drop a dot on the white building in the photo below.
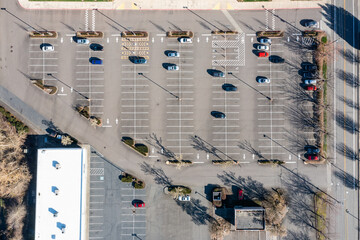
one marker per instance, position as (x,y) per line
(61,194)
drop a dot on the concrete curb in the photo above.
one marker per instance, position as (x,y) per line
(159,6)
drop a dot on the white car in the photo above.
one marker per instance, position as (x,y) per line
(185,40)
(262,47)
(173,67)
(310,82)
(82,41)
(47,48)
(186,198)
(263,80)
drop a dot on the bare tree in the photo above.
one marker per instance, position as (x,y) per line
(66,140)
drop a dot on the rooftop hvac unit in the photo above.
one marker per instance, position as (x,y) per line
(55,214)
(56,191)
(57,166)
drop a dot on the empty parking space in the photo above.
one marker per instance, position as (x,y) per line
(112,215)
(89,78)
(42,63)
(180,103)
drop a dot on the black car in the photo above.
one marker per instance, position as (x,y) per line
(137,60)
(217,114)
(96,47)
(308,66)
(312,149)
(309,75)
(229,87)
(276,59)
(218,73)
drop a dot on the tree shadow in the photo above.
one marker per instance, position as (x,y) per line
(347,179)
(349,102)
(252,188)
(301,118)
(336,21)
(346,151)
(297,94)
(199,144)
(161,149)
(204,25)
(175,26)
(113,26)
(51,126)
(158,26)
(347,123)
(301,235)
(69,27)
(245,145)
(246,25)
(158,174)
(297,140)
(196,211)
(223,25)
(349,55)
(350,79)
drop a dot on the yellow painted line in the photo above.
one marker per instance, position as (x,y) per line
(229,7)
(122,6)
(217,7)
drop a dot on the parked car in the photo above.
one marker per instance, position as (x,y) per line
(138,203)
(229,87)
(82,41)
(276,59)
(262,47)
(172,67)
(311,23)
(217,114)
(310,81)
(173,54)
(312,149)
(137,60)
(308,66)
(47,47)
(95,60)
(218,73)
(96,47)
(186,198)
(309,75)
(310,88)
(263,80)
(312,156)
(265,40)
(263,54)
(185,40)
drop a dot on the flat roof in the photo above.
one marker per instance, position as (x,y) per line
(60,194)
(249,218)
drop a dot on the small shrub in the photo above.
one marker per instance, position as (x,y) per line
(141,148)
(139,185)
(127,178)
(324,39)
(12,120)
(128,141)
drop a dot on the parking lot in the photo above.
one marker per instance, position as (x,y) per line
(142,99)
(111,213)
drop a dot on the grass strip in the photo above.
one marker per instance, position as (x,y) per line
(320,218)
(19,126)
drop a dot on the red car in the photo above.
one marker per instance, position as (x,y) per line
(312,157)
(310,88)
(240,194)
(263,54)
(139,204)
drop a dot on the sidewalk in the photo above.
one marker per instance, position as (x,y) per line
(172,5)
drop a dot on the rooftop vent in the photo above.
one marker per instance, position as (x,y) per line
(56,191)
(57,166)
(63,230)
(55,214)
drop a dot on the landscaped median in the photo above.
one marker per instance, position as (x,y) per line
(322,54)
(140,148)
(19,126)
(224,162)
(43,34)
(85,112)
(89,34)
(273,162)
(177,190)
(224,32)
(320,213)
(134,34)
(40,84)
(179,163)
(136,183)
(270,34)
(178,34)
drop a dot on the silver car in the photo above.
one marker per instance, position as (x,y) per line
(82,41)
(310,82)
(262,47)
(186,198)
